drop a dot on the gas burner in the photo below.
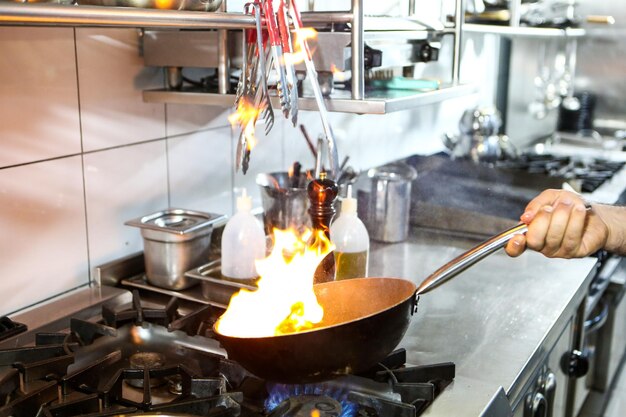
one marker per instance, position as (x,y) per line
(146,358)
(310,405)
(402,391)
(590,172)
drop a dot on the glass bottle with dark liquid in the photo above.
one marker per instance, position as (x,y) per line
(322,194)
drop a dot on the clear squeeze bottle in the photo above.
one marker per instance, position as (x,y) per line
(243,242)
(352,242)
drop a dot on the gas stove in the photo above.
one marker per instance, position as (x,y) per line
(138,357)
(584,172)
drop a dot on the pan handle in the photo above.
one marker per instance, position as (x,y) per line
(469,258)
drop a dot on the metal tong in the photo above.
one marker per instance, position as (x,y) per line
(278,59)
(253,86)
(333,156)
(290,69)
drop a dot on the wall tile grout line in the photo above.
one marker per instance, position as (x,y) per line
(127,145)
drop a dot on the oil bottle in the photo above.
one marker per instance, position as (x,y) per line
(243,242)
(352,242)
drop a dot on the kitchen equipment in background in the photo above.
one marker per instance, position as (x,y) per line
(605,342)
(381,311)
(285,200)
(384,203)
(584,174)
(578,119)
(479,138)
(174,241)
(484,121)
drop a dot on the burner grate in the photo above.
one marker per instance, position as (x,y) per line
(138,360)
(592,173)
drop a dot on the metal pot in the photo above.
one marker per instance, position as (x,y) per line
(285,201)
(484,121)
(175,241)
(364,320)
(384,206)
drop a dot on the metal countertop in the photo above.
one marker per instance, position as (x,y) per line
(493,321)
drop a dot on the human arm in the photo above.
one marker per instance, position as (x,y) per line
(562,225)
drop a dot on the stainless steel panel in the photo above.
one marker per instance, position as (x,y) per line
(612,339)
(601,59)
(53,315)
(521,126)
(176,48)
(479,320)
(340,101)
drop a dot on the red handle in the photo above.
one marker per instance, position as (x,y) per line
(283,25)
(296,13)
(270,21)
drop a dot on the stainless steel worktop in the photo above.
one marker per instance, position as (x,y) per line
(494,320)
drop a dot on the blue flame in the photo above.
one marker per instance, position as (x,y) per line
(280,392)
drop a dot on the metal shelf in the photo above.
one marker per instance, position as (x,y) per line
(379,102)
(46,14)
(524,31)
(355,101)
(32,14)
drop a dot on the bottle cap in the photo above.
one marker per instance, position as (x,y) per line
(244,202)
(349,204)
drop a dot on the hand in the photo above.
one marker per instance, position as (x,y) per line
(560,225)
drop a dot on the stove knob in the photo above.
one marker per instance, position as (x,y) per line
(575,364)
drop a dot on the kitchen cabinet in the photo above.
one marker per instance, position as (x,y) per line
(351,100)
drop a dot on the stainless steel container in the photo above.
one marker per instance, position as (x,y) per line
(174,241)
(215,289)
(388,202)
(285,201)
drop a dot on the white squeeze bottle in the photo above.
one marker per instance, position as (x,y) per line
(243,242)
(352,241)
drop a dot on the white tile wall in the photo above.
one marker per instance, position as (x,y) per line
(183,119)
(122,184)
(200,171)
(111,78)
(38,95)
(43,249)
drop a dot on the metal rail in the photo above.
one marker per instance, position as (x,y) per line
(42,14)
(358,51)
(459,17)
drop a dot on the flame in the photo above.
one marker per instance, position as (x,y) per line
(164,4)
(334,69)
(246,116)
(300,36)
(284,301)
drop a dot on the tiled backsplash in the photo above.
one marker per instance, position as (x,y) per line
(81,153)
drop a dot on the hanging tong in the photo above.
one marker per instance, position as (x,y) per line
(254,86)
(333,157)
(277,55)
(268,111)
(285,36)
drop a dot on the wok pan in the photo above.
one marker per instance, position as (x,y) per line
(364,320)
